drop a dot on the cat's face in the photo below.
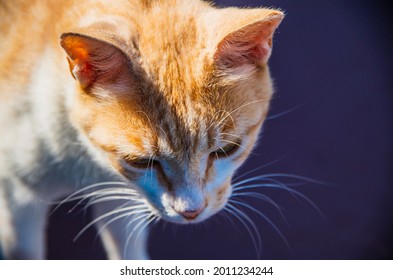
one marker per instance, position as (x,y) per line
(175,115)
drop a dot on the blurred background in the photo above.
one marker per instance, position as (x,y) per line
(331,120)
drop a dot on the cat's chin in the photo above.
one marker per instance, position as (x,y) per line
(183,221)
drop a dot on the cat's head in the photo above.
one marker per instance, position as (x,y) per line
(173,100)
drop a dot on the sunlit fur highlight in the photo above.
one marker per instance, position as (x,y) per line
(171,81)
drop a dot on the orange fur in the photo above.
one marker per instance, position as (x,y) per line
(169,80)
(173,67)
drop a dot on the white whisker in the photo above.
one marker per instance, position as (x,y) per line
(256,169)
(293,192)
(125,215)
(231,134)
(240,215)
(82,190)
(103,193)
(150,219)
(113,212)
(239,108)
(223,119)
(142,219)
(265,218)
(109,198)
(278,115)
(264,198)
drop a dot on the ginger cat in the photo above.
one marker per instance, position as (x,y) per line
(144,107)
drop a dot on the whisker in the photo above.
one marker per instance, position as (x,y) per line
(226,215)
(101,193)
(293,192)
(119,217)
(92,186)
(223,119)
(108,198)
(259,185)
(142,219)
(229,114)
(165,134)
(113,212)
(278,115)
(298,177)
(243,186)
(267,220)
(216,123)
(147,117)
(150,219)
(248,104)
(238,214)
(264,198)
(103,226)
(256,169)
(231,134)
(151,162)
(222,149)
(264,178)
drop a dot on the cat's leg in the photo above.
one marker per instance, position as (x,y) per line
(23,221)
(123,238)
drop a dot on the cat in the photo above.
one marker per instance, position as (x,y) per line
(145,107)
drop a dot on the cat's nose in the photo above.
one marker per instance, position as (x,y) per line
(188,202)
(191,214)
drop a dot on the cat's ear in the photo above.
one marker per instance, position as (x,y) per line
(244,39)
(94,59)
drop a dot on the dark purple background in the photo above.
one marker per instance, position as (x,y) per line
(331,58)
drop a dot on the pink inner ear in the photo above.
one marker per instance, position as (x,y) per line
(251,45)
(92,60)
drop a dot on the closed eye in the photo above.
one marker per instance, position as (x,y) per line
(225,151)
(142,162)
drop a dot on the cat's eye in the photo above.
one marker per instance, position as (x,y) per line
(226,151)
(141,163)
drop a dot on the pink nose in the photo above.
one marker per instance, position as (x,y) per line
(191,214)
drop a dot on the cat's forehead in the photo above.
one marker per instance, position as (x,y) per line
(181,123)
(172,46)
(184,126)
